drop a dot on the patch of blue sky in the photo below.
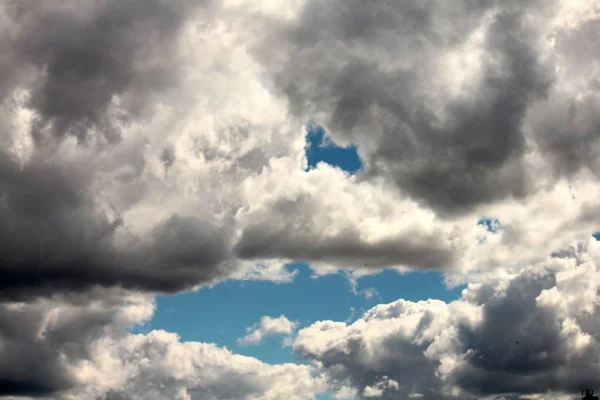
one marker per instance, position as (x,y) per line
(492,224)
(320,148)
(221,314)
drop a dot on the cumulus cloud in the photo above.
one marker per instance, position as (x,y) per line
(435,95)
(81,347)
(42,343)
(158,366)
(55,236)
(448,106)
(114,150)
(156,146)
(89,133)
(516,334)
(269,326)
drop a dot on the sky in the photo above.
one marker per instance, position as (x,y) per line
(299,199)
(222,314)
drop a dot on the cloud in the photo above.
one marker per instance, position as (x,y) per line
(55,235)
(436,96)
(85,200)
(156,146)
(80,347)
(158,365)
(269,326)
(103,51)
(517,333)
(316,217)
(44,342)
(380,387)
(149,170)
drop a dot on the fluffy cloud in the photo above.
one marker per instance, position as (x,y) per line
(80,347)
(115,150)
(155,146)
(512,334)
(158,366)
(56,236)
(435,95)
(452,124)
(105,157)
(269,326)
(43,343)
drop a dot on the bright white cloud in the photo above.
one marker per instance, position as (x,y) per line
(269,326)
(158,366)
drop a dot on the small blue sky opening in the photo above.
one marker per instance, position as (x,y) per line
(320,148)
(491,224)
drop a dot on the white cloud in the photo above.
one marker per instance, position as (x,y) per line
(510,334)
(80,348)
(269,326)
(157,366)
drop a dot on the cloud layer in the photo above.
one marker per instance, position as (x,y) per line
(158,146)
(115,149)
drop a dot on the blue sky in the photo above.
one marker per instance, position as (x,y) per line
(492,224)
(320,148)
(221,314)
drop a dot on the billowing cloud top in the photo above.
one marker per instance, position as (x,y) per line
(155,146)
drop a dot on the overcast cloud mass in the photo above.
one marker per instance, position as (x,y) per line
(154,146)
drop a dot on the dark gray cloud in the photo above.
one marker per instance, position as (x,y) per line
(80,63)
(114,395)
(518,347)
(80,57)
(369,72)
(55,236)
(42,340)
